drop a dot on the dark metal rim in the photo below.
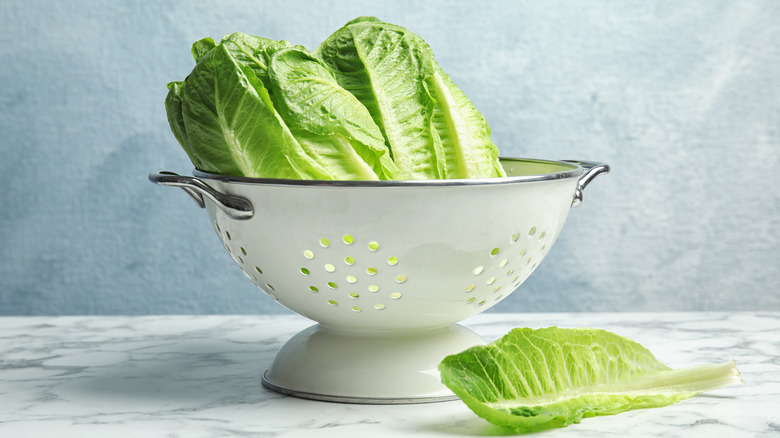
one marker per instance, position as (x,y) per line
(356,400)
(574,170)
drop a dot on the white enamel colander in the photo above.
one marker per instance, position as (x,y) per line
(386,268)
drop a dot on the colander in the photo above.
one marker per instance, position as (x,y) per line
(386,268)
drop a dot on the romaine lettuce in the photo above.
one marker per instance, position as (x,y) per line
(431,127)
(226,115)
(532,380)
(329,122)
(370,103)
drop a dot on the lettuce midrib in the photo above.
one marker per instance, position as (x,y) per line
(692,380)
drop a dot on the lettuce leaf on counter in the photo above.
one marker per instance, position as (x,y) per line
(532,380)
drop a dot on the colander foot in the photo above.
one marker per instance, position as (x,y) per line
(347,366)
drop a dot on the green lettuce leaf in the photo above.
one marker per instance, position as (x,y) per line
(385,67)
(254,52)
(332,125)
(531,380)
(173,107)
(463,131)
(201,47)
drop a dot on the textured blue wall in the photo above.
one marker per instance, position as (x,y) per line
(681,98)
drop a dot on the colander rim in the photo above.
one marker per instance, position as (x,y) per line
(574,171)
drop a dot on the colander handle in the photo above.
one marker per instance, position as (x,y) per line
(591,169)
(234,206)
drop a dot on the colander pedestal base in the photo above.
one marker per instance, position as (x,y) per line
(372,367)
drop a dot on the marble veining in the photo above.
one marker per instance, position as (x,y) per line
(199,376)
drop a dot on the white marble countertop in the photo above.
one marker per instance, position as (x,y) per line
(199,376)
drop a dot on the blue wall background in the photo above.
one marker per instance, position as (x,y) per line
(681,98)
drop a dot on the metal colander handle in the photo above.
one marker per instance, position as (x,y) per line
(591,169)
(233,206)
